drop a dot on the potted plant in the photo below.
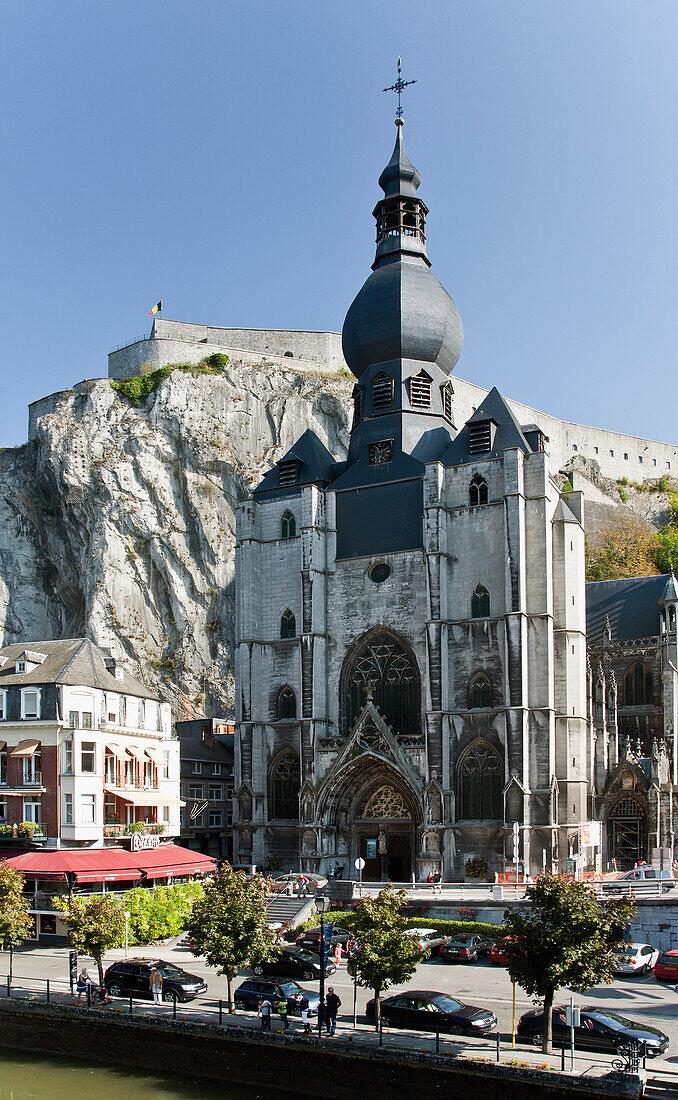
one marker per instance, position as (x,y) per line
(476,869)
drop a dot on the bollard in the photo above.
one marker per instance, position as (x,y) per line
(562,1059)
(437,1042)
(174,1008)
(381,1030)
(47,990)
(89,996)
(130,1004)
(221,1010)
(498,1046)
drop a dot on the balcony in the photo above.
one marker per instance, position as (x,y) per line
(25,831)
(148,828)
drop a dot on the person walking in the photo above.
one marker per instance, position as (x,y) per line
(155,982)
(281,1009)
(332,1005)
(301,1002)
(264,1014)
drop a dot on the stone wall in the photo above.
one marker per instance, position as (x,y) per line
(282,1066)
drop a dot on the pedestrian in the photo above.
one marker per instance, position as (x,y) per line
(337,954)
(437,879)
(281,1009)
(301,1002)
(332,1005)
(264,1014)
(303,886)
(430,878)
(155,983)
(82,982)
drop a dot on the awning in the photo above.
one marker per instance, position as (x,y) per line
(25,748)
(155,755)
(90,865)
(134,750)
(144,798)
(115,749)
(3,745)
(172,860)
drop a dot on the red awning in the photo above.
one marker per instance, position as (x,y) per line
(88,865)
(171,859)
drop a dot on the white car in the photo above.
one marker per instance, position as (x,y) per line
(288,884)
(429,940)
(637,958)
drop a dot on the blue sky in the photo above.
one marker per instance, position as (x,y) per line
(224,156)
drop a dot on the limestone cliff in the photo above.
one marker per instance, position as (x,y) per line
(119,522)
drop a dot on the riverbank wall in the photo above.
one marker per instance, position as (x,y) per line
(286,1065)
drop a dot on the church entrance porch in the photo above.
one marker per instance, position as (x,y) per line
(393,859)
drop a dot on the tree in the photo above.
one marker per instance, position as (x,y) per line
(228,923)
(563,938)
(95,925)
(624,548)
(665,549)
(384,955)
(160,913)
(15,920)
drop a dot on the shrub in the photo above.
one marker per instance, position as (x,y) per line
(137,389)
(346,919)
(160,913)
(476,868)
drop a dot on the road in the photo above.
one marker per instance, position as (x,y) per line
(643,999)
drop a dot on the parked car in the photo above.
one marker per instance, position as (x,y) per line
(427,1010)
(295,963)
(287,884)
(132,977)
(636,958)
(640,877)
(310,939)
(666,967)
(253,990)
(598,1030)
(429,940)
(498,951)
(464,949)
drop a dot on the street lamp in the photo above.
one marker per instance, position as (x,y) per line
(126,915)
(322,905)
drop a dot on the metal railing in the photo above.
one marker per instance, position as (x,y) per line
(128,343)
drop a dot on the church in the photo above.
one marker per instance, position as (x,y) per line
(412,668)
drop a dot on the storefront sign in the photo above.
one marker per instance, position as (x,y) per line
(141,841)
(371,848)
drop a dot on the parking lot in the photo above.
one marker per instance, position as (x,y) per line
(483,984)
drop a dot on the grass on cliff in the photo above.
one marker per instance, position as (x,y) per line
(137,389)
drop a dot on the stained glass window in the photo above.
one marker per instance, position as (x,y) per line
(383,669)
(481,782)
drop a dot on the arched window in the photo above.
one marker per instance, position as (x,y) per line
(480,603)
(284,787)
(477,493)
(479,691)
(288,624)
(480,784)
(383,670)
(382,393)
(287,704)
(288,526)
(637,685)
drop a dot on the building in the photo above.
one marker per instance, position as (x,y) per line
(411,655)
(206,754)
(86,756)
(633,713)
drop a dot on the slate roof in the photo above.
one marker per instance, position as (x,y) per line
(508,434)
(632,605)
(74,661)
(316,467)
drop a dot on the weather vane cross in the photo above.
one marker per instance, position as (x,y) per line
(398,89)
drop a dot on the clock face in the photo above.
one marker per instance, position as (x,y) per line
(381,452)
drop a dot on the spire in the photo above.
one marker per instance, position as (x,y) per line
(399,177)
(400,215)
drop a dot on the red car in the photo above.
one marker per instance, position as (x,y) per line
(666,967)
(498,951)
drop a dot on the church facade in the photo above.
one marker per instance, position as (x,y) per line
(411,638)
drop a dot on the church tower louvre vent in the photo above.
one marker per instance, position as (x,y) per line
(420,391)
(288,473)
(480,437)
(382,393)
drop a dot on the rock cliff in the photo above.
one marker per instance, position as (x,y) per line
(119,522)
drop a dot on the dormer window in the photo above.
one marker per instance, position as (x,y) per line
(382,393)
(20,667)
(30,704)
(480,437)
(288,473)
(420,391)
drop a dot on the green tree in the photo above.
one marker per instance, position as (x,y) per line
(95,925)
(160,913)
(665,549)
(563,938)
(15,920)
(228,923)
(384,956)
(622,549)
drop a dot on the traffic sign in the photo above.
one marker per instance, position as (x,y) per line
(359,863)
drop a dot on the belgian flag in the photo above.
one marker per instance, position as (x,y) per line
(156,308)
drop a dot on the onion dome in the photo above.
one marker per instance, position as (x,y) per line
(402,311)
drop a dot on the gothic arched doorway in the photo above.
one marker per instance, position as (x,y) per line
(381,666)
(385,836)
(627,833)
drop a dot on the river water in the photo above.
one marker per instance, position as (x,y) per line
(42,1078)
